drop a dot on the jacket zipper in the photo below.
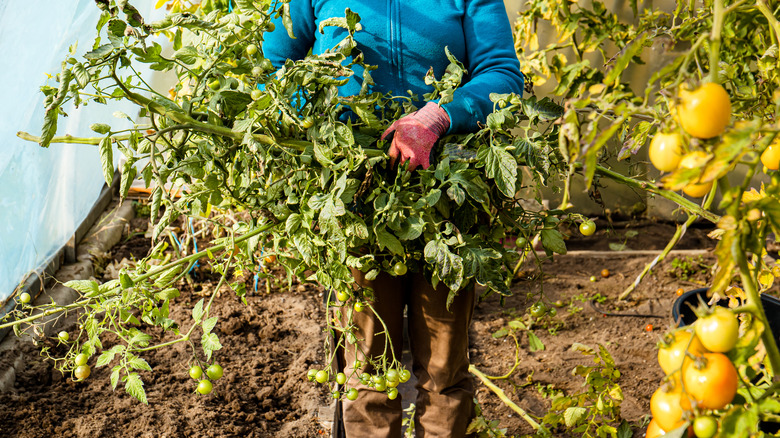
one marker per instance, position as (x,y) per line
(394,41)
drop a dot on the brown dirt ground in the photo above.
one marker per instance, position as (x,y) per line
(270,343)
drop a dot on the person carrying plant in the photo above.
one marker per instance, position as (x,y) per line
(405,39)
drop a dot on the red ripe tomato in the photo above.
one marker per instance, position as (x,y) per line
(712,380)
(671,352)
(719,330)
(668,406)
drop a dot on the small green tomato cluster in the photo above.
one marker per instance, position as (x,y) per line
(213,372)
(82,370)
(539,309)
(386,383)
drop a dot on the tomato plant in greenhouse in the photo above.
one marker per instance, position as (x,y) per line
(319,199)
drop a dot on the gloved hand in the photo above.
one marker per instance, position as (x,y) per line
(415,134)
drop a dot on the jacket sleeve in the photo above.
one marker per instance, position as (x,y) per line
(279,47)
(492,64)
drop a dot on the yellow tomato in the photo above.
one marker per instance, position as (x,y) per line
(668,407)
(654,430)
(705,111)
(666,151)
(695,160)
(674,349)
(771,155)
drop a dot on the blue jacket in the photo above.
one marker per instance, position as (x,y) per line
(405,38)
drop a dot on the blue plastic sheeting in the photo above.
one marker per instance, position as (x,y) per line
(45,193)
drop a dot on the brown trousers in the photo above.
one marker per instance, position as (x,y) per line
(439,346)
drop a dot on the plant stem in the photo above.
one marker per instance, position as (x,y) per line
(151,273)
(678,234)
(501,395)
(754,300)
(773,22)
(678,199)
(715,38)
(69,138)
(517,361)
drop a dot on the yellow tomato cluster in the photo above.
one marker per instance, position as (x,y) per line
(700,378)
(703,113)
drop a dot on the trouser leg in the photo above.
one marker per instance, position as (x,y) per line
(372,414)
(439,344)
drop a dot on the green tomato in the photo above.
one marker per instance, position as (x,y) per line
(63,336)
(25,298)
(214,371)
(251,49)
(552,311)
(705,426)
(352,394)
(342,296)
(311,374)
(587,228)
(341,378)
(521,242)
(404,376)
(256,94)
(392,393)
(196,372)
(392,376)
(81,359)
(321,376)
(269,27)
(307,123)
(257,71)
(365,379)
(214,85)
(359,306)
(205,387)
(82,372)
(538,309)
(399,269)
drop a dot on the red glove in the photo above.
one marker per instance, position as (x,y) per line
(415,135)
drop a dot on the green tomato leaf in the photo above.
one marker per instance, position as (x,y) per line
(210,344)
(553,240)
(385,239)
(135,387)
(209,324)
(86,287)
(107,159)
(534,343)
(501,166)
(81,74)
(573,415)
(197,311)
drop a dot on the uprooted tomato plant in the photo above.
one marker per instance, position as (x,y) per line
(269,143)
(313,191)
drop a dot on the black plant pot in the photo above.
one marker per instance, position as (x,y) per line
(683,315)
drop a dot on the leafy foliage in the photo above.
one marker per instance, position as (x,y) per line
(305,167)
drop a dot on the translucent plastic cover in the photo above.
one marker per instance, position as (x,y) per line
(45,193)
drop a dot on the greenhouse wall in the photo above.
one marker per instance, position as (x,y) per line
(45,193)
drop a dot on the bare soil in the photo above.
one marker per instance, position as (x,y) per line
(272,341)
